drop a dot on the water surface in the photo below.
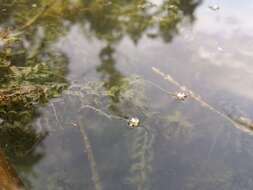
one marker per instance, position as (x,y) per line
(110,48)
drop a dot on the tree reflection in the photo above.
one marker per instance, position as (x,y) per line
(112,22)
(108,21)
(32,74)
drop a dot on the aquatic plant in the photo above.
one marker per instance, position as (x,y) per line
(141,155)
(94,97)
(179,127)
(93,166)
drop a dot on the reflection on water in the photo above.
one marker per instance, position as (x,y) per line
(106,50)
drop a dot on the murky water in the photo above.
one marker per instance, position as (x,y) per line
(110,48)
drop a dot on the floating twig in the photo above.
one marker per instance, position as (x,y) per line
(132,122)
(56,115)
(201,101)
(181,96)
(101,112)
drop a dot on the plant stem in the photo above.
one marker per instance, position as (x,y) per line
(91,158)
(200,100)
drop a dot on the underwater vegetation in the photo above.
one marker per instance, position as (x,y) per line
(23,88)
(179,127)
(91,97)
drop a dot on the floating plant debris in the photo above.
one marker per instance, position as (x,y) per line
(134,122)
(181,96)
(238,124)
(245,122)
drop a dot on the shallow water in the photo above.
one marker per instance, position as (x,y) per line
(187,146)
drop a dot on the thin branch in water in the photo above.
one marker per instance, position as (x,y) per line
(159,87)
(56,116)
(91,158)
(200,100)
(101,112)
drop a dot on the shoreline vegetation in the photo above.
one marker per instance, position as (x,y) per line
(22,88)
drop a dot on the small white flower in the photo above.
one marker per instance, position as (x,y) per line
(133,122)
(181,96)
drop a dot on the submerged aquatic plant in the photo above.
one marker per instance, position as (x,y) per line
(93,166)
(94,98)
(179,127)
(27,81)
(141,154)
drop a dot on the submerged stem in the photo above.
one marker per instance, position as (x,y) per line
(91,158)
(101,112)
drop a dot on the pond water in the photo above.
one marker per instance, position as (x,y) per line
(108,49)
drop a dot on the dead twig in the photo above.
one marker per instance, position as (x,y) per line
(202,102)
